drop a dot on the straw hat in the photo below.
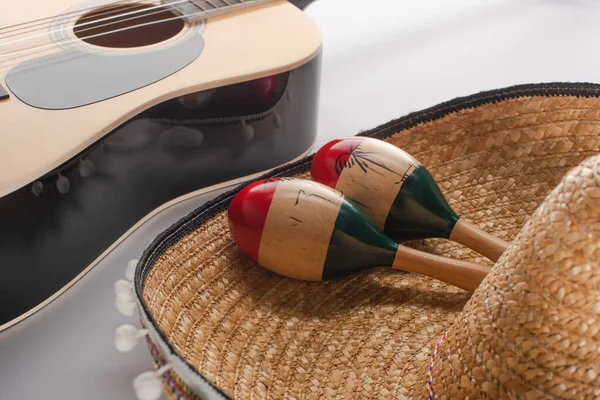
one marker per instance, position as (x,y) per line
(518,162)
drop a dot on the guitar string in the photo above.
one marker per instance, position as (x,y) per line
(5,63)
(160,11)
(164,6)
(60,15)
(92,28)
(94,22)
(67,16)
(105,33)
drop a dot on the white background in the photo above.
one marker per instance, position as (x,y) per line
(382,59)
(385,58)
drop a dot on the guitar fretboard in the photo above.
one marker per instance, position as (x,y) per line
(196,10)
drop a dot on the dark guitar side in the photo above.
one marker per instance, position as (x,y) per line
(53,228)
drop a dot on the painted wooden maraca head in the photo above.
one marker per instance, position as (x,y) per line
(392,187)
(306,230)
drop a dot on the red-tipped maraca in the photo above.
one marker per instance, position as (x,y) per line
(306,230)
(397,193)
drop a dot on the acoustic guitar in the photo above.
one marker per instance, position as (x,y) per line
(109,110)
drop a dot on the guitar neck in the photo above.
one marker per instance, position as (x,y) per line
(197,10)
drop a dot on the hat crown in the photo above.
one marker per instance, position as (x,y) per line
(532,329)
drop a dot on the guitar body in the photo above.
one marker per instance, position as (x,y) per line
(97,132)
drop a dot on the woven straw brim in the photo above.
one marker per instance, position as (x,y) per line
(254,334)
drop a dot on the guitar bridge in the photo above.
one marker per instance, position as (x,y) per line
(197,10)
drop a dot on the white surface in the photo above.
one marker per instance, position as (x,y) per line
(382,59)
(386,58)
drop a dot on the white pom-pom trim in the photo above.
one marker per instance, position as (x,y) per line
(148,386)
(130,270)
(125,303)
(126,337)
(123,287)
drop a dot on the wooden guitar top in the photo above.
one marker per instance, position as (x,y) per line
(244,45)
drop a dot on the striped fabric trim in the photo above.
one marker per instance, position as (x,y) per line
(430,371)
(175,384)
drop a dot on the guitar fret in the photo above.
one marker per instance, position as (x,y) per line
(199,6)
(210,8)
(219,3)
(210,4)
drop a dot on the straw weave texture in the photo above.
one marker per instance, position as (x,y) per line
(532,329)
(258,335)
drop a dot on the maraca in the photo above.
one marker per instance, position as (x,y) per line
(305,230)
(397,193)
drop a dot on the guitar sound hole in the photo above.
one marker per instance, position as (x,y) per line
(128,25)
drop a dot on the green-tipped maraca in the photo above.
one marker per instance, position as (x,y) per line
(397,193)
(306,230)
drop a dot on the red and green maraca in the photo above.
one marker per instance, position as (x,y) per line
(397,193)
(305,230)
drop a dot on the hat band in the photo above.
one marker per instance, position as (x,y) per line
(430,371)
(176,385)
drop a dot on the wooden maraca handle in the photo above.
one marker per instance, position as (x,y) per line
(482,242)
(462,274)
